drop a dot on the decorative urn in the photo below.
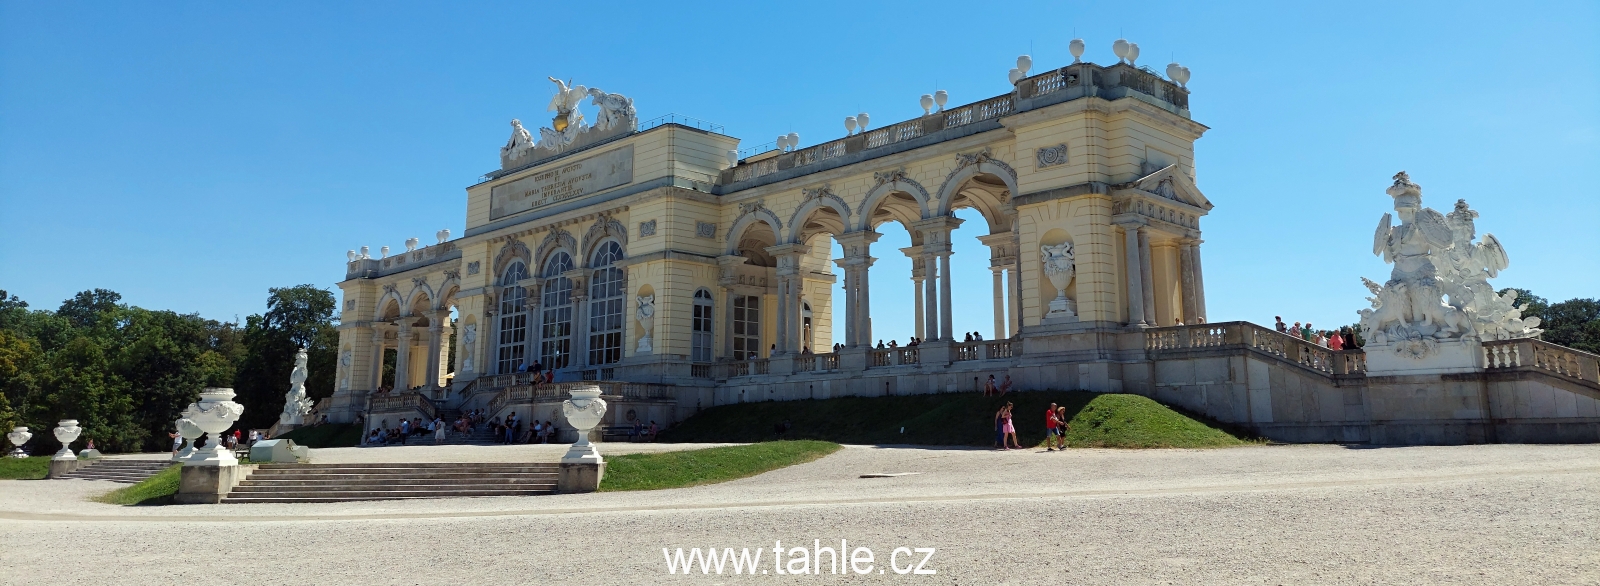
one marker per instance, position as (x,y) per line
(19,436)
(190,434)
(67,431)
(583,412)
(1076,48)
(214,414)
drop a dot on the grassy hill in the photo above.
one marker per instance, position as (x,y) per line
(1097,419)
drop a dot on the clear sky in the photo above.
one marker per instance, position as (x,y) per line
(192,154)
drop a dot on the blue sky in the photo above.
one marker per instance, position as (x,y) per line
(191,155)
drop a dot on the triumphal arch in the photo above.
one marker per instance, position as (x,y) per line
(659,261)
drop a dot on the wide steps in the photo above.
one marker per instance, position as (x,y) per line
(124,471)
(306,483)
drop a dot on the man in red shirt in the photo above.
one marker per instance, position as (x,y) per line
(1052,429)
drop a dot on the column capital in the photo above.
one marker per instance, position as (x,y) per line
(912,252)
(860,238)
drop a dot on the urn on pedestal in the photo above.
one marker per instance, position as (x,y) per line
(190,433)
(1059,267)
(583,411)
(214,414)
(19,436)
(67,432)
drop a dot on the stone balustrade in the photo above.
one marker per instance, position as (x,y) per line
(983,350)
(1257,338)
(523,394)
(1543,356)
(402,402)
(1107,82)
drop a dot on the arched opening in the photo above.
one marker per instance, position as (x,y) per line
(513,327)
(701,324)
(749,331)
(607,289)
(555,331)
(892,316)
(983,259)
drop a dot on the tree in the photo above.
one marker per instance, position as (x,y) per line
(1574,323)
(86,308)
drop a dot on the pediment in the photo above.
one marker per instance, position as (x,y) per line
(1171,183)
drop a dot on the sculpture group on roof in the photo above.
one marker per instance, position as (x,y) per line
(568,128)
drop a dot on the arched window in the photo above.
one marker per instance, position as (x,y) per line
(700,345)
(606,287)
(513,320)
(555,347)
(746,327)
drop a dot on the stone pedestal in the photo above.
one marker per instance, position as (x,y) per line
(854,359)
(937,353)
(198,485)
(59,467)
(579,477)
(1406,358)
(781,364)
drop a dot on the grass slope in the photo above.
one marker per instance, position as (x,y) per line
(707,466)
(29,468)
(327,435)
(1098,420)
(155,490)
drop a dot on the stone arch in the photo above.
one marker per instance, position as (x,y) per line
(447,295)
(390,299)
(604,228)
(803,215)
(419,286)
(971,167)
(754,213)
(514,249)
(894,183)
(554,241)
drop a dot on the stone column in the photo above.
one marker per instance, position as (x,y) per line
(435,344)
(999,302)
(918,276)
(377,357)
(491,340)
(727,277)
(579,356)
(402,356)
(849,301)
(1199,285)
(1186,277)
(727,324)
(945,309)
(780,345)
(864,301)
(930,295)
(789,258)
(1013,280)
(531,305)
(1135,272)
(1148,279)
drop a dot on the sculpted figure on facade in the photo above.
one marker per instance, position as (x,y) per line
(568,121)
(296,404)
(470,336)
(346,359)
(520,142)
(615,109)
(645,314)
(1434,257)
(1059,267)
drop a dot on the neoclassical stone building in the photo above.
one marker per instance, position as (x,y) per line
(652,253)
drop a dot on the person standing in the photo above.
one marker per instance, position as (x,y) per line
(1050,427)
(1000,428)
(1280,326)
(1294,331)
(1336,341)
(1010,428)
(1063,425)
(438,430)
(1305,333)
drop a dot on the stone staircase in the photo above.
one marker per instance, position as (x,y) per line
(327,483)
(125,471)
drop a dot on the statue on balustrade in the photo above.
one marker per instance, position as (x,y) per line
(1434,257)
(296,404)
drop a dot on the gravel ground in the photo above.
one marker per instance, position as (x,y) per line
(1268,514)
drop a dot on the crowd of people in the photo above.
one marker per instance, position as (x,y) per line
(1343,338)
(511,430)
(1056,424)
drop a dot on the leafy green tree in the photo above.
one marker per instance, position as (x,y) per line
(1574,323)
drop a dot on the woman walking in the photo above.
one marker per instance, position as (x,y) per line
(1010,430)
(1000,428)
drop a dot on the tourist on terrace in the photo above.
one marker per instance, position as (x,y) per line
(881,346)
(1280,326)
(989,386)
(550,431)
(977,336)
(969,337)
(1305,333)
(1294,331)
(894,343)
(1005,387)
(1336,341)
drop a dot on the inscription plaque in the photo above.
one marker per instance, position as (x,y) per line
(563,181)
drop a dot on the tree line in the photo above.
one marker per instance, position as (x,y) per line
(126,372)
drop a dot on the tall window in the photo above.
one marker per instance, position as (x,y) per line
(606,287)
(555,347)
(700,345)
(746,327)
(513,320)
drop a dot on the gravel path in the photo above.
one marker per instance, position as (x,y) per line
(1270,515)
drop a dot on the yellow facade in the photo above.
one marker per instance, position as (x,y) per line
(1101,157)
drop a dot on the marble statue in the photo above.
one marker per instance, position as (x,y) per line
(568,121)
(645,314)
(19,436)
(1059,268)
(520,141)
(1435,258)
(411,243)
(346,360)
(296,405)
(469,336)
(615,109)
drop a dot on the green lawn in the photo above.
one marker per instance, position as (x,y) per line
(707,466)
(966,419)
(30,468)
(155,490)
(327,435)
